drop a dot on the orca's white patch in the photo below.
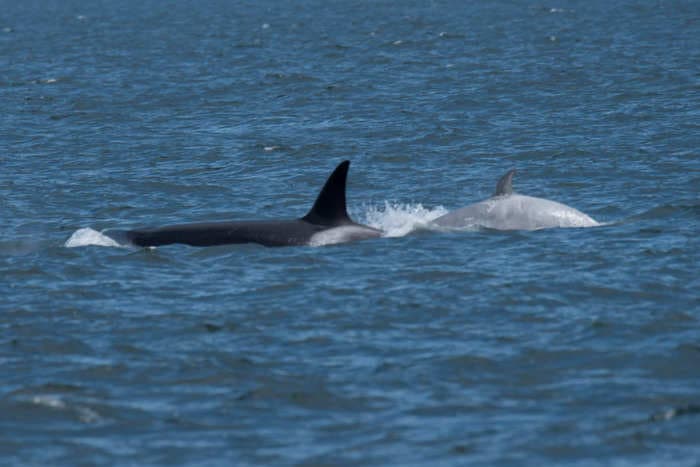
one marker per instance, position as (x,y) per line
(342,234)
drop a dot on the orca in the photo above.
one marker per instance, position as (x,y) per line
(326,223)
(507,210)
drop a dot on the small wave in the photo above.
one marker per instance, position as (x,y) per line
(49,401)
(400,219)
(667,210)
(23,246)
(90,237)
(84,414)
(666,415)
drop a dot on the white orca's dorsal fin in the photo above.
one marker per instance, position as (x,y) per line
(329,207)
(505,184)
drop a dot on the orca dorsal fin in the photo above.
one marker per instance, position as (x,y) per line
(505,184)
(329,207)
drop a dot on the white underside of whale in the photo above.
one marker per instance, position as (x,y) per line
(515,212)
(343,234)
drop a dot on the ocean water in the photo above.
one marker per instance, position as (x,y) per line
(470,347)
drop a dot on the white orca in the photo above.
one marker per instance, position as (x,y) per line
(506,210)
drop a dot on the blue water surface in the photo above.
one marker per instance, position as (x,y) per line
(473,347)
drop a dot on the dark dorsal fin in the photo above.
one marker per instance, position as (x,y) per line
(329,207)
(505,184)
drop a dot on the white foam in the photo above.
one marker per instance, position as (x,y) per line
(400,219)
(89,237)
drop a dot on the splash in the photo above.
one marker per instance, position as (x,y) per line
(400,219)
(90,237)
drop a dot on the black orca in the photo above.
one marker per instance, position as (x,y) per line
(326,223)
